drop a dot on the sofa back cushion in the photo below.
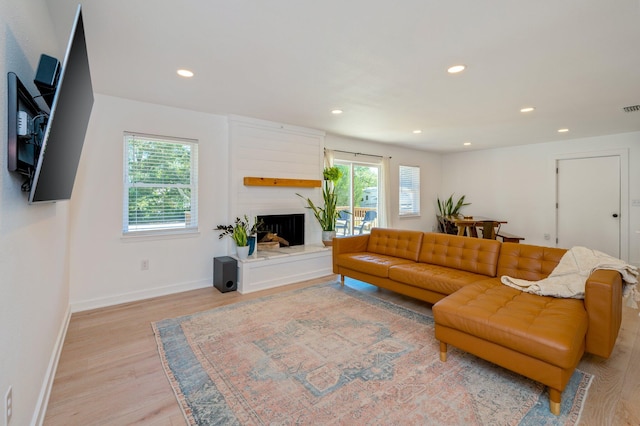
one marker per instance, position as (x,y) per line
(395,242)
(464,253)
(528,262)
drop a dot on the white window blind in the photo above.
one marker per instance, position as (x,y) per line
(409,191)
(160,184)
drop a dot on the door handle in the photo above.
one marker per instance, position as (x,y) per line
(615,215)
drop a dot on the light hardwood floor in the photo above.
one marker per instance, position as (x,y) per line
(110,373)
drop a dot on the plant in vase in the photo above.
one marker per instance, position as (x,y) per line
(240,232)
(446,209)
(327,214)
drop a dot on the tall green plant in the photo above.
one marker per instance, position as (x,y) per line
(327,214)
(449,208)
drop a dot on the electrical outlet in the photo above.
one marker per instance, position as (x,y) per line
(144,265)
(8,406)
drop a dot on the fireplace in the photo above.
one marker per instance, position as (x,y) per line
(288,226)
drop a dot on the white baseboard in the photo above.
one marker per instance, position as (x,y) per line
(50,375)
(85,305)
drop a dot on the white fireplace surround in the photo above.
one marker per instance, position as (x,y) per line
(285,265)
(267,149)
(278,267)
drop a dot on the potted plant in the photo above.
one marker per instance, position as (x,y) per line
(327,214)
(448,208)
(240,232)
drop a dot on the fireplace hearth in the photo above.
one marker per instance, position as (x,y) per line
(287,226)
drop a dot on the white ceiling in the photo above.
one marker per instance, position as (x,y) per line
(383,62)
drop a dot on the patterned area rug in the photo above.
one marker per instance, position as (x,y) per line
(332,355)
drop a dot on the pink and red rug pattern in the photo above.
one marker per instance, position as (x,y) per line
(332,355)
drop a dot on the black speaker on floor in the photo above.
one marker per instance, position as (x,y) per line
(225,273)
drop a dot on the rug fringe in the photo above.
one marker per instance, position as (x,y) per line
(581,394)
(173,382)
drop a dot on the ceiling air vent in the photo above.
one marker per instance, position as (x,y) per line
(632,108)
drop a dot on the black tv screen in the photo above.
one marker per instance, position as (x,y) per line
(67,125)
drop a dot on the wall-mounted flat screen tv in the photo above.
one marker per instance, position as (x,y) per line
(67,126)
(58,148)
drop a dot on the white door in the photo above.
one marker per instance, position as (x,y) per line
(588,209)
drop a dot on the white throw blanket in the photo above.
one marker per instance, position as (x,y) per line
(569,277)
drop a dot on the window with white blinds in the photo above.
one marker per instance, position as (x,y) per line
(409,191)
(160,185)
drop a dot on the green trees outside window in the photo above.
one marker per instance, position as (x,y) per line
(161,184)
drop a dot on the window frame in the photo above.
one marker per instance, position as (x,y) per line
(414,177)
(189,226)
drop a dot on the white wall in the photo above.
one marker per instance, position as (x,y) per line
(105,267)
(34,256)
(517,184)
(430,171)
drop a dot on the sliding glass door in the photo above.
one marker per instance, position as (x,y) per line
(358,193)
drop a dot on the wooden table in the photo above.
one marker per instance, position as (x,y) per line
(469,223)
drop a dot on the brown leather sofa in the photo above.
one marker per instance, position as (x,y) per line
(540,337)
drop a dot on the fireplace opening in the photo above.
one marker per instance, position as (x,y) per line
(289,227)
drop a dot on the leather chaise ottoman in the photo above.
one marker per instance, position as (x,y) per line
(540,337)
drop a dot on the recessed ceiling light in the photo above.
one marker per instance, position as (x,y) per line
(527,109)
(466,143)
(185,73)
(337,111)
(417,131)
(456,69)
(563,130)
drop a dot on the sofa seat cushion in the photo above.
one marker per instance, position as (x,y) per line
(547,328)
(433,277)
(370,263)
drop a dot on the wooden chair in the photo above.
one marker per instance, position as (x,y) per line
(489,230)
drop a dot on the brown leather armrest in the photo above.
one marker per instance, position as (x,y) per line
(603,302)
(354,244)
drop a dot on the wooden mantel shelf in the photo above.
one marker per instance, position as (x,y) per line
(266,181)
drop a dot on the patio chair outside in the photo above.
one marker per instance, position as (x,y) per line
(369,217)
